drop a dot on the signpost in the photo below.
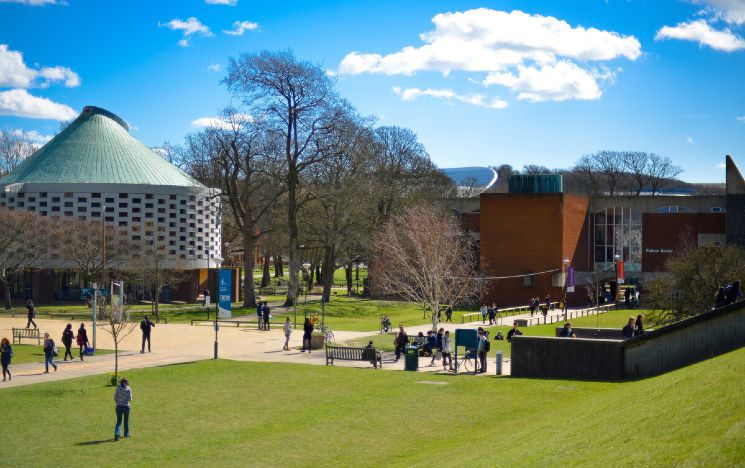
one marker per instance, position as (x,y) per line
(224,304)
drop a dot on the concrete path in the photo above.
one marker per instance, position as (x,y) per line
(178,343)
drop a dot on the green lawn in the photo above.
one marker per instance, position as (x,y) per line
(24,353)
(335,416)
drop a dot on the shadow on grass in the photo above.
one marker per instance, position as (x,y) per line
(94,442)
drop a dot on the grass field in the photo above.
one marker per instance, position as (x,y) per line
(217,413)
(24,353)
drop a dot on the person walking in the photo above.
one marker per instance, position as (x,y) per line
(447,351)
(6,352)
(49,352)
(484,311)
(288,331)
(67,337)
(146,326)
(259,310)
(437,354)
(82,340)
(122,398)
(266,316)
(30,313)
(402,339)
(307,333)
(449,314)
(492,315)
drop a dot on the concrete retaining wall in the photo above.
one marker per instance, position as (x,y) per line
(599,333)
(658,351)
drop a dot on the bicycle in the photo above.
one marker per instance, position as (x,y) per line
(469,362)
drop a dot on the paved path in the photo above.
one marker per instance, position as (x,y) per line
(178,343)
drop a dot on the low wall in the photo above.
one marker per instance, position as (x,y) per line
(657,351)
(599,333)
(685,342)
(545,356)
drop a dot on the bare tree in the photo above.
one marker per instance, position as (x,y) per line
(422,255)
(94,247)
(25,239)
(661,172)
(299,105)
(114,320)
(15,147)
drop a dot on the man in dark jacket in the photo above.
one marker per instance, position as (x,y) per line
(401,340)
(31,313)
(146,325)
(513,332)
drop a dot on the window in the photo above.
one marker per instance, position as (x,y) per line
(68,204)
(149,196)
(673,209)
(82,200)
(55,199)
(109,200)
(123,195)
(618,231)
(717,209)
(95,195)
(528,280)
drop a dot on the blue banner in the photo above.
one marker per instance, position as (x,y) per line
(224,306)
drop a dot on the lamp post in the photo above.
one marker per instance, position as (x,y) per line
(218,260)
(306,268)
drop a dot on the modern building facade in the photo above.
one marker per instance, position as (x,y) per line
(530,239)
(94,170)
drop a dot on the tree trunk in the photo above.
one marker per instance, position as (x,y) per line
(293,286)
(6,293)
(348,274)
(357,271)
(277,266)
(249,247)
(266,277)
(435,310)
(309,278)
(157,303)
(116,359)
(329,265)
(319,278)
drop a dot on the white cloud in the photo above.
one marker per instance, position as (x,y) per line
(36,2)
(731,11)
(331,73)
(702,32)
(239,27)
(221,2)
(214,67)
(220,122)
(14,73)
(528,48)
(189,27)
(552,82)
(689,140)
(741,118)
(20,103)
(35,137)
(410,94)
(721,166)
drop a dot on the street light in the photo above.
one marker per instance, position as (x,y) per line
(566,270)
(306,269)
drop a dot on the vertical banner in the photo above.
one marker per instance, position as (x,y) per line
(570,279)
(224,306)
(619,270)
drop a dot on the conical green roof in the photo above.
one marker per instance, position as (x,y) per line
(96,148)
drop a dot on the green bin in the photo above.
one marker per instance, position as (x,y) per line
(411,361)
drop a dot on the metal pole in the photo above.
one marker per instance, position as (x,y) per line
(323,310)
(216,313)
(95,300)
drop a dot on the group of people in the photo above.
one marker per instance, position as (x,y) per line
(635,326)
(728,294)
(535,305)
(489,311)
(437,345)
(263,314)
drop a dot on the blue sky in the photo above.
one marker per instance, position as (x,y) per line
(482,83)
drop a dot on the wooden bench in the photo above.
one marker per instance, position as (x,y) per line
(342,353)
(31,333)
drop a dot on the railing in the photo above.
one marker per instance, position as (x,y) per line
(506,312)
(237,323)
(557,318)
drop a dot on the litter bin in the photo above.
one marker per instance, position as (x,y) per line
(411,361)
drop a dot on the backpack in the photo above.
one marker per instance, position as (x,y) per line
(487,345)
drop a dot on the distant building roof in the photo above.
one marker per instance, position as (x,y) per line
(476,178)
(96,148)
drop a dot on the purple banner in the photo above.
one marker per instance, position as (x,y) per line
(570,277)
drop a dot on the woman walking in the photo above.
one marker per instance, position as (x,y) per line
(447,351)
(82,340)
(288,331)
(67,337)
(122,397)
(307,333)
(6,352)
(49,350)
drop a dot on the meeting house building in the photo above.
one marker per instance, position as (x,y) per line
(95,170)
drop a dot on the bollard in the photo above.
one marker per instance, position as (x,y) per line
(499,363)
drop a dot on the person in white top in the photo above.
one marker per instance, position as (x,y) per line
(288,331)
(447,351)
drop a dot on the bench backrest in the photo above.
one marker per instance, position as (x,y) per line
(352,354)
(26,332)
